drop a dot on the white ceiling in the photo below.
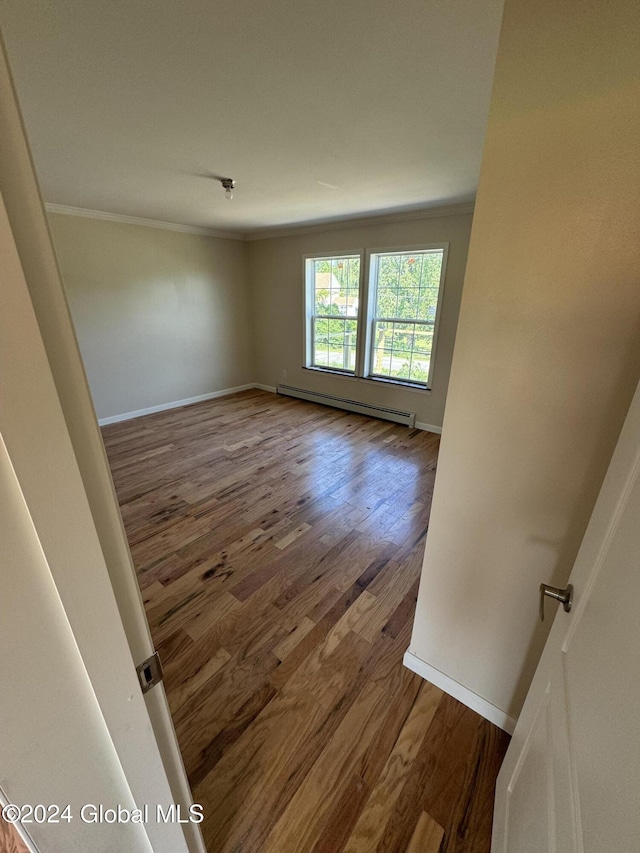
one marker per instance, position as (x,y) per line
(319,109)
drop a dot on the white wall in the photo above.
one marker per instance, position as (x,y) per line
(277,295)
(160,315)
(548,351)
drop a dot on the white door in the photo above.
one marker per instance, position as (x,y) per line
(571,777)
(74,728)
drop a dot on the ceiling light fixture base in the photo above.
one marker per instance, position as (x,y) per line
(228,185)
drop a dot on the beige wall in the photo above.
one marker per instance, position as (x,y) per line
(548,350)
(277,293)
(160,315)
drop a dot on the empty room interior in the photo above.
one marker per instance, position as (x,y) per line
(267,268)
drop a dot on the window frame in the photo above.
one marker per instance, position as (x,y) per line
(371,264)
(310,315)
(366,313)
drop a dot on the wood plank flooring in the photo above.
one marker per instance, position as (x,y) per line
(10,841)
(278,546)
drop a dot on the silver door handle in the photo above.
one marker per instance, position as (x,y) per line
(563,595)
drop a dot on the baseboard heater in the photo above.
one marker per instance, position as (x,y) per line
(395,415)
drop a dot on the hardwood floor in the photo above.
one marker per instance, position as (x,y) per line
(10,841)
(278,546)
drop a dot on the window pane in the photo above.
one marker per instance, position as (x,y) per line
(321,343)
(408,303)
(388,270)
(410,269)
(427,304)
(334,291)
(431,268)
(336,286)
(386,302)
(402,351)
(322,284)
(406,287)
(335,343)
(407,283)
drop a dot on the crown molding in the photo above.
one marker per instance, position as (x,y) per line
(360,221)
(268,233)
(85,213)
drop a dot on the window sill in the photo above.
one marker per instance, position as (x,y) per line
(396,383)
(330,372)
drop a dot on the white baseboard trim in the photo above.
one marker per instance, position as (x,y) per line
(495,715)
(176,404)
(163,407)
(428,427)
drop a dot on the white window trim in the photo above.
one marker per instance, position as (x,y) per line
(309,303)
(371,257)
(366,313)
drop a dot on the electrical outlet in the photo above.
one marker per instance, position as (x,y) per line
(284,373)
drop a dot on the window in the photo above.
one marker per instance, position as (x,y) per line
(405,292)
(333,295)
(392,337)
